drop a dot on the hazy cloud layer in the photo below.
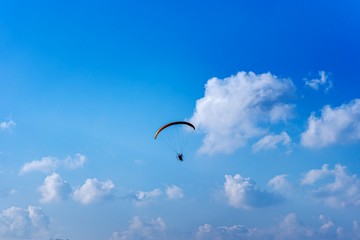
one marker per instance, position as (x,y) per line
(333,186)
(140,228)
(272,141)
(289,227)
(322,81)
(335,125)
(93,191)
(50,164)
(237,108)
(54,189)
(244,193)
(19,223)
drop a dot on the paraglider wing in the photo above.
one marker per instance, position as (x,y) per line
(171,124)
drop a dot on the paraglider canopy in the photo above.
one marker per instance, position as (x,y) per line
(174,135)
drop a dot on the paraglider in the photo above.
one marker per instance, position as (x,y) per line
(174,135)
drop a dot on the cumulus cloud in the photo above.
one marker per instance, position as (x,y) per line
(6,125)
(143,198)
(239,107)
(50,164)
(340,124)
(244,193)
(142,229)
(272,141)
(19,223)
(334,186)
(93,191)
(54,189)
(174,192)
(323,81)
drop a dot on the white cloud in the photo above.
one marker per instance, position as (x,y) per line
(280,184)
(335,125)
(244,193)
(316,83)
(142,229)
(18,223)
(54,188)
(336,187)
(237,108)
(93,191)
(7,125)
(143,198)
(174,192)
(50,164)
(272,141)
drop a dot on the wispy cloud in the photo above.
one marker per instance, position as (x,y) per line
(333,186)
(236,109)
(45,165)
(272,141)
(322,81)
(142,228)
(340,124)
(19,223)
(50,164)
(289,227)
(208,232)
(5,125)
(243,192)
(142,198)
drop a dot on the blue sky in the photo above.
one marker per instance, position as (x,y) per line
(271,87)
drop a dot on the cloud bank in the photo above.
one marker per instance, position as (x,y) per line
(19,223)
(236,109)
(289,227)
